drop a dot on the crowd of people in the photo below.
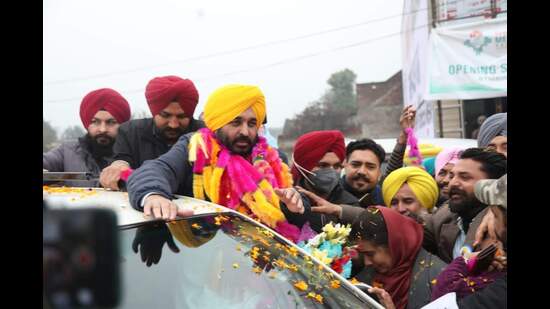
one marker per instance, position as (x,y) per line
(417,230)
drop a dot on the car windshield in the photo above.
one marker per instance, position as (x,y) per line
(223,261)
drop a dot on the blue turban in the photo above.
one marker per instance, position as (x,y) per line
(496,125)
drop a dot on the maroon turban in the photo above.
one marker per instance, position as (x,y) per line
(104,99)
(312,147)
(161,91)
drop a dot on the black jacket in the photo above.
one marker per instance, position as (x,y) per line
(316,220)
(373,199)
(168,174)
(139,140)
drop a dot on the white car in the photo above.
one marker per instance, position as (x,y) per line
(225,259)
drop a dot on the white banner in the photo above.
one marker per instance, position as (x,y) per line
(453,9)
(415,34)
(468,62)
(424,122)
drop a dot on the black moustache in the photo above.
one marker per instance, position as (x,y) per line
(360,177)
(456,191)
(246,140)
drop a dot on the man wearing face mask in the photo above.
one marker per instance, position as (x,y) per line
(316,169)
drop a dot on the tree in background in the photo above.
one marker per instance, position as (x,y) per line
(333,111)
(341,95)
(49,136)
(72,133)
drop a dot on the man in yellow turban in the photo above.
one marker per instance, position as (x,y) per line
(410,190)
(227,163)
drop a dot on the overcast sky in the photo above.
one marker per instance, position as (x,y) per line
(294,48)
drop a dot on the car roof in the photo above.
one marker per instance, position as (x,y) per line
(69,197)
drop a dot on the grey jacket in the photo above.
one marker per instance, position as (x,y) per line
(72,156)
(170,173)
(426,268)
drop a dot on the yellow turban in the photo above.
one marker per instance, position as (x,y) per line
(182,231)
(421,183)
(228,102)
(426,150)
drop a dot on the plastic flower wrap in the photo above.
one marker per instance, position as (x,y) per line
(329,248)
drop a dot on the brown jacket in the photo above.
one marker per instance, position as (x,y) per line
(441,231)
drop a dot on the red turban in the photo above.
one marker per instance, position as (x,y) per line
(161,91)
(312,147)
(106,99)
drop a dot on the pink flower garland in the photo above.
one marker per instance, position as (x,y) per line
(414,152)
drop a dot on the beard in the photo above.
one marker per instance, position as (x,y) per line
(101,145)
(462,203)
(171,134)
(232,144)
(365,187)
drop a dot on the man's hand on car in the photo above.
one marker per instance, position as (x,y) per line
(110,175)
(160,207)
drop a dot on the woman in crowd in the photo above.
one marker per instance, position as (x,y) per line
(392,245)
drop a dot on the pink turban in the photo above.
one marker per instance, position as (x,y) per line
(446,156)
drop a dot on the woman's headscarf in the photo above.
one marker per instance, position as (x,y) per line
(421,183)
(404,240)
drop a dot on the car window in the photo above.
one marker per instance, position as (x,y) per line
(224,261)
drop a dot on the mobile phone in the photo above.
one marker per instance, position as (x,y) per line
(482,261)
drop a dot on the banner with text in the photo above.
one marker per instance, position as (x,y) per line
(468,62)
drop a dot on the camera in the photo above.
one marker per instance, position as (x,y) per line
(81,267)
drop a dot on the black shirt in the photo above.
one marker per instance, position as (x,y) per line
(139,140)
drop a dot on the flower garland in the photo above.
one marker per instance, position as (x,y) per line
(328,247)
(230,180)
(414,153)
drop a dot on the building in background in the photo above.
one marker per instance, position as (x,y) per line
(379,107)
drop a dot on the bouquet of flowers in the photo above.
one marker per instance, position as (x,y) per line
(329,248)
